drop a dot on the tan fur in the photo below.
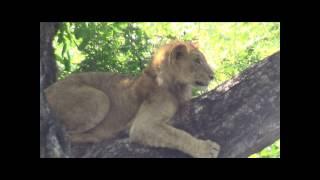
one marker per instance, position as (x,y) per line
(95,106)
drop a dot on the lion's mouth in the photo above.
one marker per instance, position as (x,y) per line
(199,83)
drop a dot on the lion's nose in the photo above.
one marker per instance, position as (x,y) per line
(211,77)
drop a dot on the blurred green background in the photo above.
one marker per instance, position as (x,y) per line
(127,47)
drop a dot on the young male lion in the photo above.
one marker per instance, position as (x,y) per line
(95,106)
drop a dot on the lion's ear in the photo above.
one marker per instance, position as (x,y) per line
(195,44)
(179,51)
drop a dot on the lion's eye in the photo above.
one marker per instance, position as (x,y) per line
(198,61)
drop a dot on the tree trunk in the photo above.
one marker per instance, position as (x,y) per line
(242,115)
(53,142)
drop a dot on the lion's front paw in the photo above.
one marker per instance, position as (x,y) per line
(207,149)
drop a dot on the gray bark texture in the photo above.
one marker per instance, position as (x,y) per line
(53,140)
(242,115)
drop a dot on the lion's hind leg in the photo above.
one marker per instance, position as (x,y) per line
(80,108)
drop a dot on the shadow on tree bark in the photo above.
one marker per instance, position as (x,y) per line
(242,115)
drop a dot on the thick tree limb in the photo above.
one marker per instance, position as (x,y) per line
(242,115)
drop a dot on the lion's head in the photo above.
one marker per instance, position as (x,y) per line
(181,62)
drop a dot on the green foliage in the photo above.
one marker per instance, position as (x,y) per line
(115,47)
(249,42)
(127,48)
(272,151)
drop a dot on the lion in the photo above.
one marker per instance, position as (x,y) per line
(96,106)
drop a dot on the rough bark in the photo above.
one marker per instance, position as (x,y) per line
(242,115)
(53,141)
